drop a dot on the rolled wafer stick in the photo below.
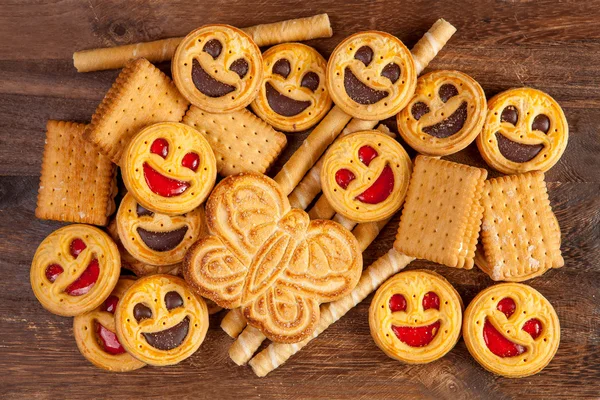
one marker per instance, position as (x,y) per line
(293,30)
(345,222)
(233,322)
(431,43)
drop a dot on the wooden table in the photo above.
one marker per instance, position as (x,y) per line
(552,47)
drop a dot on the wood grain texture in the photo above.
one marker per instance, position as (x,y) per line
(552,46)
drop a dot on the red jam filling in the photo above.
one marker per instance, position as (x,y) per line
(397,303)
(431,300)
(343,177)
(161,185)
(76,247)
(366,154)
(86,281)
(507,306)
(533,327)
(191,161)
(380,189)
(53,271)
(498,344)
(110,304)
(417,336)
(160,147)
(109,340)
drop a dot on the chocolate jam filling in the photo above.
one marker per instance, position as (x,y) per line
(451,125)
(173,300)
(213,47)
(419,109)
(169,338)
(517,152)
(162,241)
(282,104)
(447,91)
(359,92)
(392,72)
(310,81)
(208,85)
(541,123)
(282,67)
(240,67)
(510,115)
(141,211)
(364,54)
(141,312)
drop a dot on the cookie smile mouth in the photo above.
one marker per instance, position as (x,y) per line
(359,92)
(451,125)
(282,104)
(162,241)
(208,85)
(418,336)
(162,185)
(380,190)
(517,152)
(169,338)
(498,344)
(86,280)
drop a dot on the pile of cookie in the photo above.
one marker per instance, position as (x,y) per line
(204,228)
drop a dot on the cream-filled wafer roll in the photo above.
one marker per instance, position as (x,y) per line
(294,30)
(233,322)
(431,43)
(345,222)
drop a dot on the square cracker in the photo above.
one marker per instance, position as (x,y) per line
(441,217)
(242,142)
(78,183)
(142,95)
(520,236)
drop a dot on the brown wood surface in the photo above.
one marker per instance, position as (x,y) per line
(552,46)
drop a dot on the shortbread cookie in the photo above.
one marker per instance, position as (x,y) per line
(293,96)
(445,115)
(241,141)
(416,317)
(74,269)
(371,75)
(442,215)
(511,330)
(160,321)
(269,259)
(218,68)
(142,95)
(96,337)
(169,168)
(520,237)
(365,176)
(525,130)
(77,183)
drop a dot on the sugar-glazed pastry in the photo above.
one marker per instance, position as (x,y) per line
(74,269)
(218,68)
(416,317)
(96,337)
(371,75)
(269,259)
(160,320)
(293,96)
(445,115)
(511,330)
(169,168)
(525,130)
(365,176)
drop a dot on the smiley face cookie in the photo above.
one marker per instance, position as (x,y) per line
(96,338)
(525,130)
(160,321)
(365,176)
(74,269)
(169,168)
(511,330)
(415,317)
(445,115)
(293,96)
(218,68)
(371,75)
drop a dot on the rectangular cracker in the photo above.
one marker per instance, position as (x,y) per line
(241,141)
(142,95)
(77,183)
(520,236)
(441,216)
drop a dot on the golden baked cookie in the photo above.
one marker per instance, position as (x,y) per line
(525,130)
(445,115)
(293,96)
(96,336)
(416,317)
(160,320)
(169,168)
(74,269)
(218,68)
(365,176)
(269,259)
(371,75)
(511,330)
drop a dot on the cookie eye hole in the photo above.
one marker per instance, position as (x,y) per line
(419,109)
(510,114)
(541,122)
(366,154)
(397,303)
(160,147)
(343,177)
(213,47)
(110,304)
(282,67)
(447,91)
(310,81)
(533,327)
(431,300)
(76,247)
(173,300)
(364,55)
(240,67)
(392,72)
(507,306)
(191,161)
(53,271)
(141,312)
(142,212)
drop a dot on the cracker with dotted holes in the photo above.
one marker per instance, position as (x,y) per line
(520,236)
(77,183)
(441,217)
(241,141)
(142,95)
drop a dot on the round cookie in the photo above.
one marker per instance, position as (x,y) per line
(218,68)
(293,95)
(96,338)
(160,320)
(74,269)
(169,168)
(365,176)
(511,330)
(445,115)
(415,317)
(525,130)
(371,75)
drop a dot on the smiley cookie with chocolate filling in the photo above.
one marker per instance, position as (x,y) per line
(218,68)
(371,75)
(525,130)
(160,321)
(445,115)
(365,176)
(293,96)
